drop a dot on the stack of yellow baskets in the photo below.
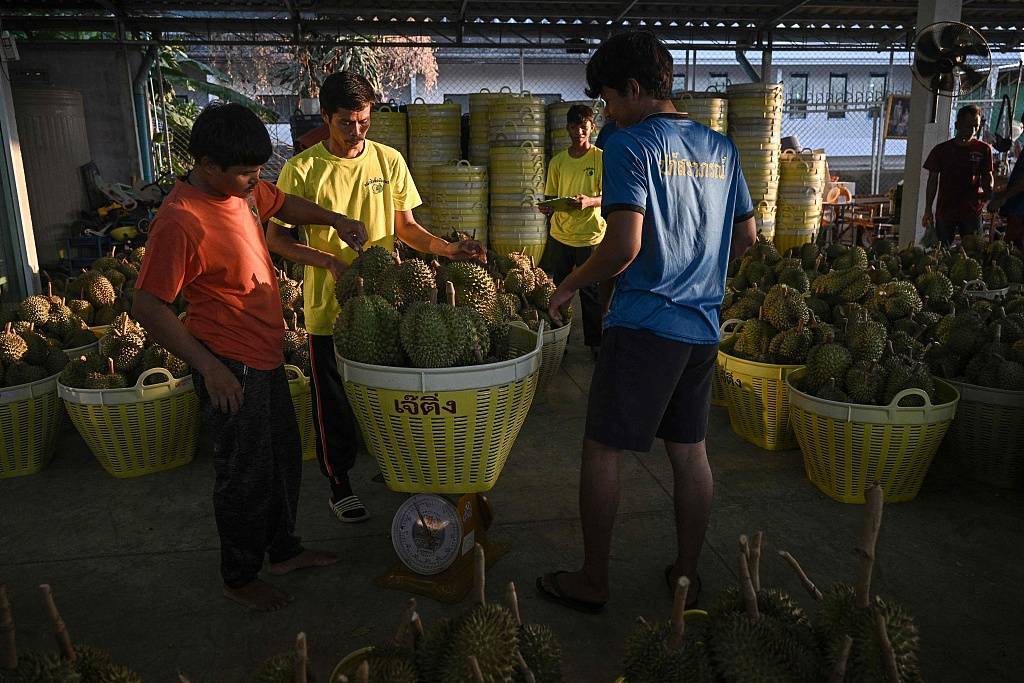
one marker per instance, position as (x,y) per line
(517,174)
(30,417)
(755,125)
(480,124)
(710,108)
(460,199)
(435,137)
(138,430)
(388,126)
(801,187)
(558,137)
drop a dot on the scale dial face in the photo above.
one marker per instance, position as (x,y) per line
(426,533)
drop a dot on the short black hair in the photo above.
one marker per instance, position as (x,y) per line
(345,90)
(968,110)
(578,113)
(230,134)
(635,54)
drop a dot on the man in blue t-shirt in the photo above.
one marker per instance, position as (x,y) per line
(677,207)
(1010,204)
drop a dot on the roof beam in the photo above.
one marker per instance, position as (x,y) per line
(782,13)
(625,10)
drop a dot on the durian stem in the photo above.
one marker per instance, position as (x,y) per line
(838,674)
(450,292)
(755,560)
(865,549)
(892,672)
(60,628)
(804,579)
(360,286)
(342,679)
(678,613)
(749,596)
(479,574)
(363,672)
(301,658)
(9,648)
(513,602)
(474,668)
(182,678)
(745,546)
(405,621)
(417,628)
(528,676)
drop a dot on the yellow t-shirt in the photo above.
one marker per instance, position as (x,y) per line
(568,177)
(370,188)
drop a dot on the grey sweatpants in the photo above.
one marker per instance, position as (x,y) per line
(258,462)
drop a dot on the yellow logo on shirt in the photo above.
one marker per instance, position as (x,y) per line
(375,185)
(674,166)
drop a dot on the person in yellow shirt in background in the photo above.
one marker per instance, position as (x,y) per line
(369,182)
(576,173)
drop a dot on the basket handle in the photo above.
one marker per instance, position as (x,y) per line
(295,370)
(895,403)
(419,100)
(732,324)
(385,107)
(976,286)
(141,386)
(504,89)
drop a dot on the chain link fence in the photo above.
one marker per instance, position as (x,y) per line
(839,102)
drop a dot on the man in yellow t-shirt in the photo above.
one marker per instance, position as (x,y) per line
(370,182)
(576,173)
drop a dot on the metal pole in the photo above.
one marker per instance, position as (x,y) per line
(522,72)
(153,128)
(163,112)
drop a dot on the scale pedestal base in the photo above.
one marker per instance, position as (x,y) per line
(453,584)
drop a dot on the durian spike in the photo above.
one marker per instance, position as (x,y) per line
(60,628)
(474,668)
(804,579)
(405,621)
(479,571)
(749,596)
(755,560)
(450,293)
(865,549)
(524,669)
(675,640)
(892,672)
(838,674)
(363,672)
(513,602)
(8,646)
(301,658)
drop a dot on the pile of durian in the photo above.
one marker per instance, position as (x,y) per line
(104,291)
(411,313)
(870,324)
(74,663)
(296,338)
(33,336)
(757,634)
(489,642)
(125,352)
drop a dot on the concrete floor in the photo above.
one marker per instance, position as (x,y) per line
(134,563)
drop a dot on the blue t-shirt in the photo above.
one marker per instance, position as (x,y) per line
(606,132)
(686,181)
(1015,205)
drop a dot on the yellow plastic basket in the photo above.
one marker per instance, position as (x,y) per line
(987,434)
(445,430)
(552,353)
(30,417)
(298,385)
(758,401)
(718,397)
(139,430)
(848,447)
(786,239)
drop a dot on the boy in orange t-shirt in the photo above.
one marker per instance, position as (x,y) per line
(207,241)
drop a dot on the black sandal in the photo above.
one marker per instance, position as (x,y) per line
(555,595)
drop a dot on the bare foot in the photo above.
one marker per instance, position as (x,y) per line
(304,560)
(259,596)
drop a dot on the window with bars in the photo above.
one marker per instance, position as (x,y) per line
(796,89)
(837,95)
(718,81)
(876,93)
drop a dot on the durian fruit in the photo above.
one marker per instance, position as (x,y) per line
(864,382)
(56,361)
(747,306)
(123,344)
(427,336)
(416,280)
(866,339)
(367,330)
(390,663)
(755,336)
(157,356)
(488,632)
(98,290)
(935,285)
(474,288)
(520,281)
(790,347)
(38,346)
(287,667)
(136,256)
(22,373)
(81,308)
(34,667)
(431,649)
(12,347)
(995,277)
(35,310)
(371,266)
(542,654)
(294,337)
(964,269)
(290,291)
(832,392)
(105,377)
(827,361)
(784,307)
(856,257)
(897,299)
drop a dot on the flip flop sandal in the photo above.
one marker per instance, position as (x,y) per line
(349,510)
(694,591)
(555,595)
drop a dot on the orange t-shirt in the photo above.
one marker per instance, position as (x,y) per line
(214,251)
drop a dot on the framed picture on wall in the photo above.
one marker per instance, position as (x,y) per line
(897,117)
